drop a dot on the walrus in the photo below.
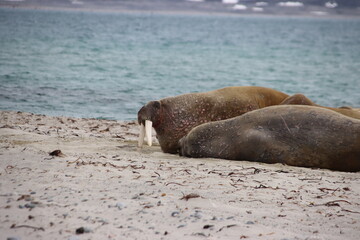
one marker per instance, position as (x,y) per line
(173,117)
(300,99)
(304,136)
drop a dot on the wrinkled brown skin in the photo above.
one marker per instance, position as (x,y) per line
(174,117)
(300,99)
(303,136)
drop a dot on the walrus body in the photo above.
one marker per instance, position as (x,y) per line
(300,99)
(296,135)
(173,117)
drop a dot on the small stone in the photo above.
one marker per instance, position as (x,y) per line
(103,221)
(13,238)
(136,196)
(57,153)
(175,214)
(120,205)
(32,193)
(207,226)
(29,205)
(181,226)
(250,222)
(198,215)
(82,230)
(200,234)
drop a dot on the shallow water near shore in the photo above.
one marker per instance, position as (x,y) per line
(107,65)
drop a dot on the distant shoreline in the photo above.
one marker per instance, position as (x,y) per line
(190,12)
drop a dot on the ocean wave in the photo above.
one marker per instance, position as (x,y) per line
(230,1)
(239,7)
(291,4)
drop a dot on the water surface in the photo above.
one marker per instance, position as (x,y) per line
(107,65)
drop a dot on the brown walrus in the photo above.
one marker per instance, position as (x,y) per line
(173,117)
(303,136)
(300,99)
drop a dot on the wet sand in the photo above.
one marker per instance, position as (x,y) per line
(102,186)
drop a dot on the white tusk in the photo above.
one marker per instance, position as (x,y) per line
(148,130)
(142,135)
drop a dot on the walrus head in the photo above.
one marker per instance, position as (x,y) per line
(148,116)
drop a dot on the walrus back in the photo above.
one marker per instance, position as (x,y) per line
(296,135)
(309,137)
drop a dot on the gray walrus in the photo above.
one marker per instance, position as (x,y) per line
(300,99)
(304,136)
(173,117)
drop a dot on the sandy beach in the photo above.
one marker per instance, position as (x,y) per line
(101,186)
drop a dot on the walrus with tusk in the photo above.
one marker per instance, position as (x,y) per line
(304,136)
(173,117)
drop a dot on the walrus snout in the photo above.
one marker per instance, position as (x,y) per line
(148,116)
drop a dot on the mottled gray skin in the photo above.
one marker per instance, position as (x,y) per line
(304,136)
(300,99)
(174,117)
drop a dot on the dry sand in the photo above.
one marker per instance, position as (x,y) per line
(104,185)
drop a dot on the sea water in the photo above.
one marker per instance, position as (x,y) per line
(107,65)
